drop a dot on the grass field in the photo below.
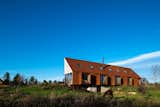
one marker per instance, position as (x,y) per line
(61,96)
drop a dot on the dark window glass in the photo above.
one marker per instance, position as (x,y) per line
(84,76)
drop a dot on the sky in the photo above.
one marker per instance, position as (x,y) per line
(36,35)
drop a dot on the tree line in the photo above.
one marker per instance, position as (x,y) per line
(18,80)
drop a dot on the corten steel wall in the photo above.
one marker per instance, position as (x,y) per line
(77,78)
(84,68)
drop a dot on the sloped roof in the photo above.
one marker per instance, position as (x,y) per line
(1,80)
(87,66)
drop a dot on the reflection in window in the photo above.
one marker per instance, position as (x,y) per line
(91,66)
(101,68)
(68,78)
(109,69)
(118,80)
(130,81)
(103,79)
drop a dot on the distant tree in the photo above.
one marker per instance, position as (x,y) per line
(45,82)
(18,79)
(32,80)
(6,78)
(145,81)
(26,81)
(36,81)
(50,81)
(155,72)
(55,81)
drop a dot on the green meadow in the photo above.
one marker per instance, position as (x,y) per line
(62,96)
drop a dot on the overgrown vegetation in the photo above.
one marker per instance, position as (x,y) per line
(21,92)
(54,95)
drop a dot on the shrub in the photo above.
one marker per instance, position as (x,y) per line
(141,89)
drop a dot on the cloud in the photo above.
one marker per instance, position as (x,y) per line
(142,64)
(138,58)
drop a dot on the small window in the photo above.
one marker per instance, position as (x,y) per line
(101,68)
(79,65)
(117,80)
(109,69)
(91,66)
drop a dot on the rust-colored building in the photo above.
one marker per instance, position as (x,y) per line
(1,81)
(80,72)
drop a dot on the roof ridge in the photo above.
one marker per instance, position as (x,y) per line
(96,62)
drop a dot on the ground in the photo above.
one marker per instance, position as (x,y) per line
(58,96)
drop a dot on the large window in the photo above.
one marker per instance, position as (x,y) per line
(130,81)
(68,78)
(84,78)
(104,79)
(118,80)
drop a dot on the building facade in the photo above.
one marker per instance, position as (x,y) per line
(1,81)
(80,72)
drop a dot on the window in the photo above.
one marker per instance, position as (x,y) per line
(103,79)
(79,65)
(91,66)
(68,78)
(101,68)
(118,80)
(130,81)
(109,69)
(84,78)
(140,82)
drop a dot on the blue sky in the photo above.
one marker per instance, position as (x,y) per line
(36,35)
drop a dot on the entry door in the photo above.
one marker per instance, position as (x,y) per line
(93,80)
(109,81)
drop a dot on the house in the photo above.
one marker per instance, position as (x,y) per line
(85,73)
(1,81)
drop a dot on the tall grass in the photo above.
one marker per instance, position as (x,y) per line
(60,96)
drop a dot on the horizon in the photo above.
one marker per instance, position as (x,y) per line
(36,36)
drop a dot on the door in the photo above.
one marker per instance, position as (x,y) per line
(93,80)
(109,81)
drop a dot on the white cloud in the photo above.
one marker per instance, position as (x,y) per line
(138,58)
(141,64)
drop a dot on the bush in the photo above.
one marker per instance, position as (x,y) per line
(59,96)
(141,89)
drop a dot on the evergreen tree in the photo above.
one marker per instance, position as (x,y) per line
(6,78)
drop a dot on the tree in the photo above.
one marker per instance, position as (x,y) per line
(144,81)
(18,79)
(6,78)
(155,72)
(26,81)
(33,80)
(50,81)
(45,82)
(36,81)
